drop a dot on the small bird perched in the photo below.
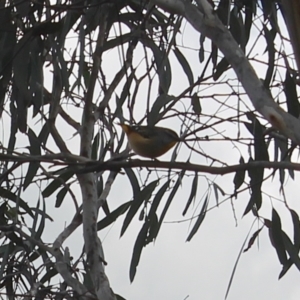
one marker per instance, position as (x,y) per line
(150,141)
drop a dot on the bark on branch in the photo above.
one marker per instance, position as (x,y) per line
(206,22)
(136,163)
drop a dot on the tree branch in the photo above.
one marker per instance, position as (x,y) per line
(87,166)
(92,244)
(110,180)
(205,21)
(61,266)
(75,223)
(136,163)
(68,119)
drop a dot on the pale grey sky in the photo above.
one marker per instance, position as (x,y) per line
(172,269)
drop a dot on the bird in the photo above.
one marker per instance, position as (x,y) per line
(150,141)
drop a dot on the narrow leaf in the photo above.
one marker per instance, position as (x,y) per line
(269,36)
(60,196)
(192,194)
(239,176)
(236,263)
(185,65)
(254,202)
(170,199)
(220,69)
(196,104)
(138,200)
(33,166)
(257,130)
(291,250)
(291,96)
(41,227)
(137,250)
(217,189)
(119,297)
(133,181)
(112,217)
(152,217)
(296,224)
(256,179)
(56,183)
(252,239)
(47,277)
(199,220)
(6,194)
(277,237)
(155,113)
(201,51)
(153,228)
(157,199)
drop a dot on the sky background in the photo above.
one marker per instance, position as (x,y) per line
(171,268)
